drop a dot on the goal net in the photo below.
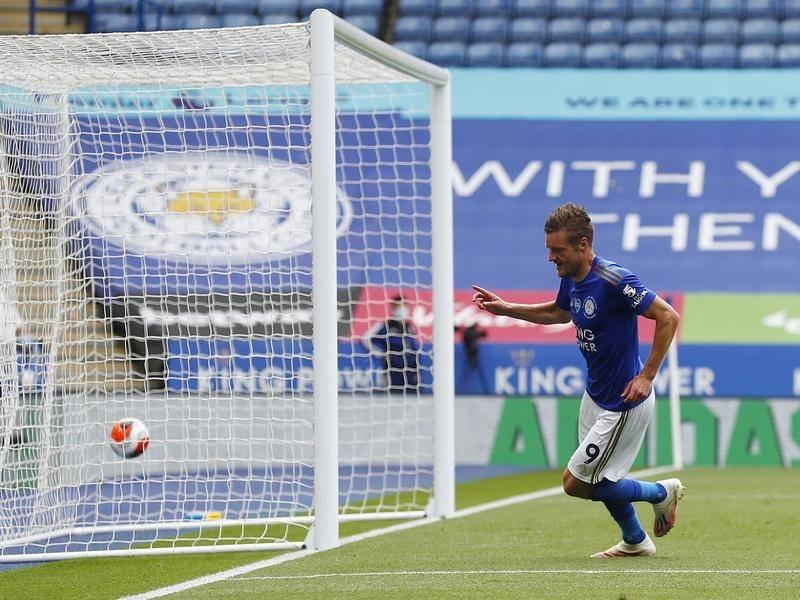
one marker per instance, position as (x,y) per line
(203,231)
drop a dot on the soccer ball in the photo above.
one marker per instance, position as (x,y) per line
(129,438)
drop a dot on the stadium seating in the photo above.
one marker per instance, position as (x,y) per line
(790,31)
(239,20)
(571,8)
(235,7)
(617,9)
(527,29)
(277,7)
(451,29)
(369,23)
(757,56)
(601,56)
(679,56)
(685,9)
(532,8)
(490,29)
(566,30)
(609,31)
(352,8)
(648,9)
(448,54)
(789,55)
(413,29)
(521,54)
(682,31)
(454,8)
(485,54)
(563,55)
(640,56)
(277,19)
(718,56)
(645,30)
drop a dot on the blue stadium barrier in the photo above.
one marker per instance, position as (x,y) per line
(615,9)
(562,55)
(679,56)
(308,6)
(790,31)
(789,55)
(757,56)
(239,20)
(413,29)
(721,31)
(686,9)
(791,9)
(682,31)
(278,19)
(455,8)
(648,9)
(644,31)
(723,9)
(759,31)
(601,56)
(640,56)
(418,49)
(485,54)
(605,31)
(362,7)
(490,29)
(524,55)
(416,8)
(201,22)
(451,29)
(493,8)
(531,8)
(278,7)
(526,29)
(240,7)
(570,8)
(567,30)
(190,7)
(717,56)
(447,54)
(371,24)
(755,9)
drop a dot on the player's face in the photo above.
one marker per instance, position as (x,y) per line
(567,258)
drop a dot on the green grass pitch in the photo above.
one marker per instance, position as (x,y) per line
(738,536)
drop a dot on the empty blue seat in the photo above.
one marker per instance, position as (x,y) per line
(570,8)
(278,19)
(648,9)
(567,30)
(685,9)
(644,30)
(165,23)
(718,56)
(413,8)
(640,56)
(528,30)
(791,10)
(601,56)
(413,29)
(116,22)
(605,31)
(765,9)
(106,6)
(678,56)
(490,29)
(308,6)
(616,9)
(351,8)
(721,31)
(454,8)
(485,54)
(370,24)
(531,8)
(278,7)
(523,55)
(682,31)
(239,20)
(759,31)
(562,55)
(201,22)
(447,54)
(789,55)
(190,7)
(418,49)
(223,7)
(493,8)
(757,56)
(723,9)
(790,31)
(451,29)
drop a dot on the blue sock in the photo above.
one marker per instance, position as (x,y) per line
(627,520)
(628,490)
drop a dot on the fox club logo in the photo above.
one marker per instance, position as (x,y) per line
(589,307)
(203,207)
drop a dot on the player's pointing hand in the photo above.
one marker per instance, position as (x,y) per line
(486,300)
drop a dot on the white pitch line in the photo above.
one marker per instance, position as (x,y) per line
(531,572)
(271,562)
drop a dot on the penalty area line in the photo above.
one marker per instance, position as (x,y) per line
(237,572)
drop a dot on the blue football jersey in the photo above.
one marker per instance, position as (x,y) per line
(604,307)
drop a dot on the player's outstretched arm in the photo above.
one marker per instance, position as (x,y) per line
(667,320)
(542,314)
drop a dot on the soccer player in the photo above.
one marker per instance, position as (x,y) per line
(604,299)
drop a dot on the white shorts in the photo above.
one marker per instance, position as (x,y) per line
(609,441)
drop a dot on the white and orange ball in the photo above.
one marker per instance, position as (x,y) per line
(129,438)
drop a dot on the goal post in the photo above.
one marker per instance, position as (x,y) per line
(220,233)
